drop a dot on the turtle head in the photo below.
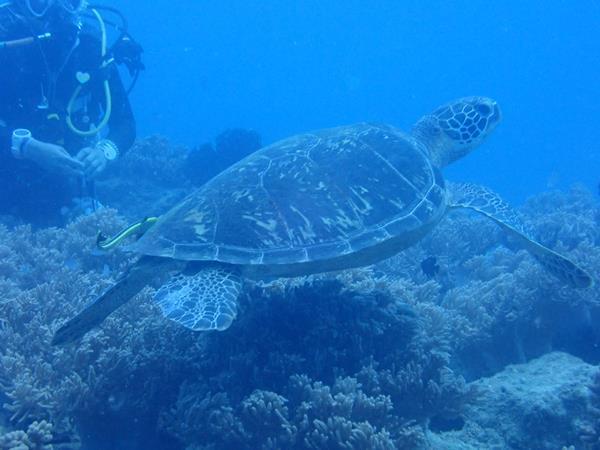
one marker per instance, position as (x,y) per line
(453,130)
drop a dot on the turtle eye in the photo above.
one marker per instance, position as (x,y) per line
(483,109)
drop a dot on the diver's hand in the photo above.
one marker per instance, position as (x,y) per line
(52,158)
(93,160)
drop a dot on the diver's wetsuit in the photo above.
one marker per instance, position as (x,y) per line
(36,84)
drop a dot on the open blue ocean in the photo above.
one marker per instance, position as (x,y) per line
(342,225)
(286,68)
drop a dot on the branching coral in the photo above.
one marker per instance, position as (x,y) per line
(312,416)
(37,437)
(110,368)
(378,386)
(369,358)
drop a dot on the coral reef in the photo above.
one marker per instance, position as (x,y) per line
(45,277)
(589,430)
(153,159)
(380,357)
(502,306)
(377,386)
(546,403)
(147,180)
(38,436)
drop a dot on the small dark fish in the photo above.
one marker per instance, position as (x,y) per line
(430,266)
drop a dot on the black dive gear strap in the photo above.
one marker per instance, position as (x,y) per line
(125,50)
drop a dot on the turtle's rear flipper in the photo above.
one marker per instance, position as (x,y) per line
(488,203)
(131,282)
(204,300)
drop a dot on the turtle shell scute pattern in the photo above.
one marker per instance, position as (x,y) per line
(309,197)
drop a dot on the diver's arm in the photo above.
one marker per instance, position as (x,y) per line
(52,158)
(122,127)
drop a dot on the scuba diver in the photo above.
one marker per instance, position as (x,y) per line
(64,110)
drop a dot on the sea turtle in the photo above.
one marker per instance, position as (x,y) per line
(328,200)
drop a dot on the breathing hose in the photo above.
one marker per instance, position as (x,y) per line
(107,95)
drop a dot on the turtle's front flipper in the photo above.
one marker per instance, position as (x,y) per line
(144,272)
(203,300)
(488,203)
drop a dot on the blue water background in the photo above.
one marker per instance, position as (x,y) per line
(285,67)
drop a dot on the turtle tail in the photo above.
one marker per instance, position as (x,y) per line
(143,272)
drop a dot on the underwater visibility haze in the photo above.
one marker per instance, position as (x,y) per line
(284,68)
(356,225)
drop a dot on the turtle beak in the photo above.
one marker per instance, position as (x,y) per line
(496,115)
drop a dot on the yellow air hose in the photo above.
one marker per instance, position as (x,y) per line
(108,104)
